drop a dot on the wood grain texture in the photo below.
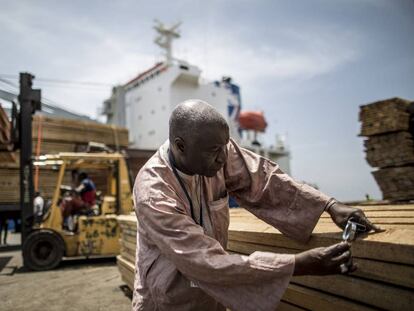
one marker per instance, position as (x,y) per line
(384,280)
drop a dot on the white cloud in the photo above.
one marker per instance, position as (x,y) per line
(307,54)
(81,50)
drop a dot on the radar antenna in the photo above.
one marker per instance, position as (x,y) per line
(166,36)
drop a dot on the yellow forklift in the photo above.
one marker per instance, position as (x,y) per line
(46,241)
(95,234)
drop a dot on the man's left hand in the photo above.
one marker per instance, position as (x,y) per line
(340,213)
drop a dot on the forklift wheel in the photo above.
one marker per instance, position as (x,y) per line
(42,250)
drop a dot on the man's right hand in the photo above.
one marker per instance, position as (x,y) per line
(324,260)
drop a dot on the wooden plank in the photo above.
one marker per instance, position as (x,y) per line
(389,251)
(387,207)
(130,232)
(316,300)
(385,116)
(126,276)
(125,263)
(390,149)
(128,245)
(383,214)
(376,215)
(397,274)
(372,293)
(393,245)
(128,238)
(127,219)
(380,220)
(127,255)
(376,294)
(127,270)
(79,131)
(396,183)
(9,182)
(286,306)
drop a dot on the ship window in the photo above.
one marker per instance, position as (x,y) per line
(151,132)
(184,67)
(159,89)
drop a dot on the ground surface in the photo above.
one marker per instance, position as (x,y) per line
(74,285)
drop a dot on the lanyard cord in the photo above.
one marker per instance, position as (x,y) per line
(172,162)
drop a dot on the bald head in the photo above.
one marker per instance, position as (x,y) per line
(198,138)
(192,118)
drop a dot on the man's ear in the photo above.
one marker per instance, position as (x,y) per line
(180,144)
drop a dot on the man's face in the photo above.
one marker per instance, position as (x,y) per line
(207,152)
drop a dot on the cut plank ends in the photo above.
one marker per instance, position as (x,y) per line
(384,279)
(389,128)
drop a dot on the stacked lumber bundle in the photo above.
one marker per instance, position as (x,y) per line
(126,259)
(396,183)
(390,149)
(385,275)
(6,154)
(53,135)
(68,135)
(389,128)
(385,116)
(384,279)
(10,182)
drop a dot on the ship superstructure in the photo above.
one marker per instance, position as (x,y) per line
(144,104)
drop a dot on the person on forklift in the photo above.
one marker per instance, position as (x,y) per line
(86,189)
(80,200)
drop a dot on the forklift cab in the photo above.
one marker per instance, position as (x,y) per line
(94,233)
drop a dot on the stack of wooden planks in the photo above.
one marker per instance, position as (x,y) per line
(385,116)
(390,149)
(396,183)
(388,126)
(53,135)
(6,154)
(69,135)
(10,182)
(126,259)
(384,279)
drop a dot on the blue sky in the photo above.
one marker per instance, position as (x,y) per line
(308,65)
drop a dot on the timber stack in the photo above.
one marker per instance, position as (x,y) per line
(385,275)
(6,154)
(126,259)
(389,128)
(53,135)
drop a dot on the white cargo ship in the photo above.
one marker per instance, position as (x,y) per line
(144,104)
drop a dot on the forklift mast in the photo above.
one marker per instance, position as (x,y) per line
(29,102)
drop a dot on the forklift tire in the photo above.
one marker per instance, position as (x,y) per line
(42,250)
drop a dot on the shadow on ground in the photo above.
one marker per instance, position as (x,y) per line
(76,264)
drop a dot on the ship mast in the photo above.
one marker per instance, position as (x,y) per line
(165,37)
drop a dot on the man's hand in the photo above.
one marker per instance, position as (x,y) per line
(324,260)
(340,213)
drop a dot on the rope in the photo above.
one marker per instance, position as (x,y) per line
(115,136)
(39,142)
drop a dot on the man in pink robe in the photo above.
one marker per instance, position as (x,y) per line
(181,202)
